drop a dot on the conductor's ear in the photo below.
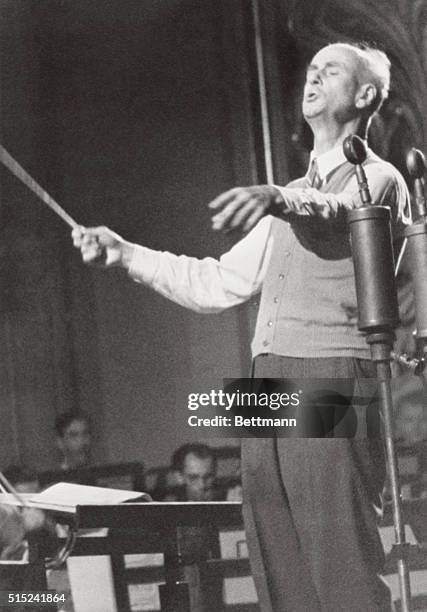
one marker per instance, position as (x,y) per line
(366,95)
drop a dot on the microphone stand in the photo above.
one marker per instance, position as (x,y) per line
(378,316)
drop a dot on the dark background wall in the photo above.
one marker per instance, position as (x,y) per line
(128,113)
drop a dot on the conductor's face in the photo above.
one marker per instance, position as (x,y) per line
(198,476)
(332,85)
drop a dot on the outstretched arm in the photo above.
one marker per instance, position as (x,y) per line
(203,285)
(242,207)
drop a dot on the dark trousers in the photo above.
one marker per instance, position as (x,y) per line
(309,509)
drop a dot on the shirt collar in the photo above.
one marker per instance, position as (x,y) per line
(326,162)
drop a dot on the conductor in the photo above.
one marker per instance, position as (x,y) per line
(310,505)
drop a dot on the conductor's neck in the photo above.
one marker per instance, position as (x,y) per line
(327,136)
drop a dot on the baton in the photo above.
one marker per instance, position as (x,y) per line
(11,164)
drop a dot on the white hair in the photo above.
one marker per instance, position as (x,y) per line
(374,68)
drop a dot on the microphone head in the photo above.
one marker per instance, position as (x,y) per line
(354,149)
(416,163)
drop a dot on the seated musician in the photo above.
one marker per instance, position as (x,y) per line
(73,438)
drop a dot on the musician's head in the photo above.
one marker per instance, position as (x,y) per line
(73,439)
(345,83)
(196,465)
(23,478)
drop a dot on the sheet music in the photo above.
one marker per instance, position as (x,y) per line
(69,495)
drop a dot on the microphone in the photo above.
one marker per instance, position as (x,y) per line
(372,251)
(417,244)
(355,151)
(416,165)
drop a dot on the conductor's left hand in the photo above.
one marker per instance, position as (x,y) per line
(242,207)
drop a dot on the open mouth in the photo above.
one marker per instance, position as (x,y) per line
(311,96)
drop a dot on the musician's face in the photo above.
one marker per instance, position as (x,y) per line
(198,476)
(75,443)
(332,85)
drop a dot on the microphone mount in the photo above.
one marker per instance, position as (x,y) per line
(355,151)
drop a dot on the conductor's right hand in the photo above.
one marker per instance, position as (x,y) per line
(100,246)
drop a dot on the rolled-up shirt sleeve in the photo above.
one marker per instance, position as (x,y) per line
(207,285)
